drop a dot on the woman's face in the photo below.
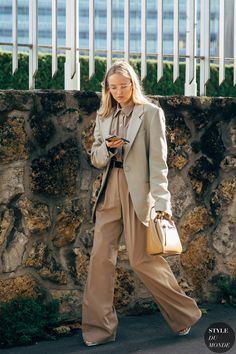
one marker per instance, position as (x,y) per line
(120,88)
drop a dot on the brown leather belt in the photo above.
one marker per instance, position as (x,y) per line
(117,164)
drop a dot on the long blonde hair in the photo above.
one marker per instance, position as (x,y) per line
(108,102)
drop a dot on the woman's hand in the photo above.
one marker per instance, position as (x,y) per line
(163,215)
(115,144)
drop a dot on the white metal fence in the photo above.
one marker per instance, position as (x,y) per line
(72,50)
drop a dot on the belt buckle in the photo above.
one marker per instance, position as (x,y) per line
(117,163)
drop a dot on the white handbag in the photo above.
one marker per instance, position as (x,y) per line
(162,237)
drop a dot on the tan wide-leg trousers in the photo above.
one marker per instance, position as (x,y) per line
(115,214)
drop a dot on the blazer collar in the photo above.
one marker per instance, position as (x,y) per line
(127,110)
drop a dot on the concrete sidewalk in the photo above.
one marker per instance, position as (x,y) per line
(147,334)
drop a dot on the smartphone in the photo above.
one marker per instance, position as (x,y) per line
(115,138)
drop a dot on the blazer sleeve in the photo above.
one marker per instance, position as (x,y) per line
(100,155)
(158,162)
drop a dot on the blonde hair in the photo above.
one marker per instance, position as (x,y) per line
(108,102)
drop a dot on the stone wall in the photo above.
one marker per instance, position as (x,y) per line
(48,187)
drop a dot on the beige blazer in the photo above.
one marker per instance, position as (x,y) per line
(144,162)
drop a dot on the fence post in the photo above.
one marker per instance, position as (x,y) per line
(72,65)
(54,38)
(176,41)
(160,41)
(222,42)
(127,29)
(91,39)
(204,45)
(109,33)
(190,86)
(14,36)
(33,41)
(143,39)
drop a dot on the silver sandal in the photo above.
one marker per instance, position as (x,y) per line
(93,344)
(184,331)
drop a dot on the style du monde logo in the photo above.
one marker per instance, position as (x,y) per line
(219,337)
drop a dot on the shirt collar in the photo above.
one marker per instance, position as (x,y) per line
(126,110)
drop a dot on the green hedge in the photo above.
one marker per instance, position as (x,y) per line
(164,87)
(25,320)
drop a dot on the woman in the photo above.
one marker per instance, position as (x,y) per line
(134,180)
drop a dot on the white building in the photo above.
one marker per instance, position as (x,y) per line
(44,24)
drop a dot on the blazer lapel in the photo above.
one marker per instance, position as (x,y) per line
(134,124)
(105,126)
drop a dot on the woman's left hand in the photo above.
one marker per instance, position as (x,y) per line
(115,144)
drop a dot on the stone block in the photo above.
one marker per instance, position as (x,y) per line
(85,180)
(13,145)
(61,330)
(181,195)
(212,144)
(81,266)
(177,132)
(14,288)
(12,256)
(7,220)
(203,103)
(176,101)
(198,263)
(71,101)
(5,105)
(70,302)
(177,159)
(42,128)
(178,135)
(87,138)
(15,99)
(222,195)
(68,220)
(36,218)
(88,102)
(229,163)
(52,101)
(224,234)
(229,134)
(55,275)
(12,182)
(69,120)
(202,174)
(230,265)
(41,258)
(55,173)
(196,220)
(200,116)
(223,240)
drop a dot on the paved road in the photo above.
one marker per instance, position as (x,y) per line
(146,334)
